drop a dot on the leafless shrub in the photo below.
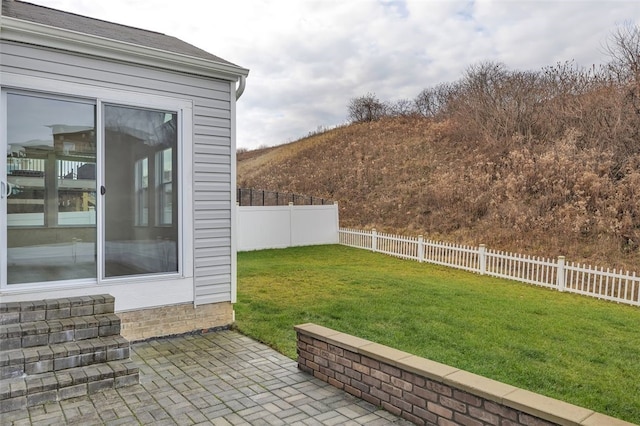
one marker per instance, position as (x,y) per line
(366,108)
(434,102)
(401,108)
(494,104)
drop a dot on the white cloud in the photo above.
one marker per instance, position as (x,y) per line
(308,58)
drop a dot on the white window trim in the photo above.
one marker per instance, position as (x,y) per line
(102,95)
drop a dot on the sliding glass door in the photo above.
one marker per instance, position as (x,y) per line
(50,189)
(140,193)
(87,199)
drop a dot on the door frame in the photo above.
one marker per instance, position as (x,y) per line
(106,95)
(4,189)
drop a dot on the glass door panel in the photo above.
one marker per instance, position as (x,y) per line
(140,191)
(51,191)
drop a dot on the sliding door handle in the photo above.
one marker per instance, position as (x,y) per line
(5,189)
(103,190)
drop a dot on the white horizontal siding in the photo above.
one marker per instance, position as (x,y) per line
(216,270)
(218,259)
(85,70)
(216,169)
(205,243)
(210,111)
(207,186)
(212,149)
(213,131)
(217,177)
(212,203)
(204,158)
(212,253)
(213,223)
(213,288)
(213,297)
(204,199)
(212,124)
(203,215)
(214,233)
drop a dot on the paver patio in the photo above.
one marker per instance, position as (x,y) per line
(217,378)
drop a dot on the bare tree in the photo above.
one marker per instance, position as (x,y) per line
(434,101)
(401,108)
(366,108)
(623,46)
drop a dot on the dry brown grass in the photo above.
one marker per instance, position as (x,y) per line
(414,176)
(544,163)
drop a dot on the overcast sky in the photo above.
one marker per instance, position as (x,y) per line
(307,59)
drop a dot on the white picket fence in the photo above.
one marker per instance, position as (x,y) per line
(551,273)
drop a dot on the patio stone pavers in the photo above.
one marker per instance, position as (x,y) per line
(217,378)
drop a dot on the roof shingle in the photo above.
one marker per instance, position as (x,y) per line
(83,24)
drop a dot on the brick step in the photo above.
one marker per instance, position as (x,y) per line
(22,392)
(49,309)
(41,333)
(61,356)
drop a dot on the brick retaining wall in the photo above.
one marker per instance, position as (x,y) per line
(426,392)
(174,319)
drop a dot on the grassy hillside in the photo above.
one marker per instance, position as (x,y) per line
(414,176)
(545,163)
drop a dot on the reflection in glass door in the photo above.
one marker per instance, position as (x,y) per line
(140,191)
(50,189)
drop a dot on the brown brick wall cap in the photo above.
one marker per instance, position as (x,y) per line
(537,405)
(547,408)
(425,367)
(597,419)
(479,385)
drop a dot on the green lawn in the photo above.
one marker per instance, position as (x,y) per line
(574,348)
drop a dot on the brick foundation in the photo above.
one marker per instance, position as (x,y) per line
(426,392)
(174,319)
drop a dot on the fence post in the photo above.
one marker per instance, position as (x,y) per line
(560,274)
(374,240)
(290,224)
(338,222)
(482,258)
(420,248)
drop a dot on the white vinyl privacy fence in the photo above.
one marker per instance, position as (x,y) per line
(266,227)
(551,273)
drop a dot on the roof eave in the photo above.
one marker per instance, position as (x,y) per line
(19,30)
